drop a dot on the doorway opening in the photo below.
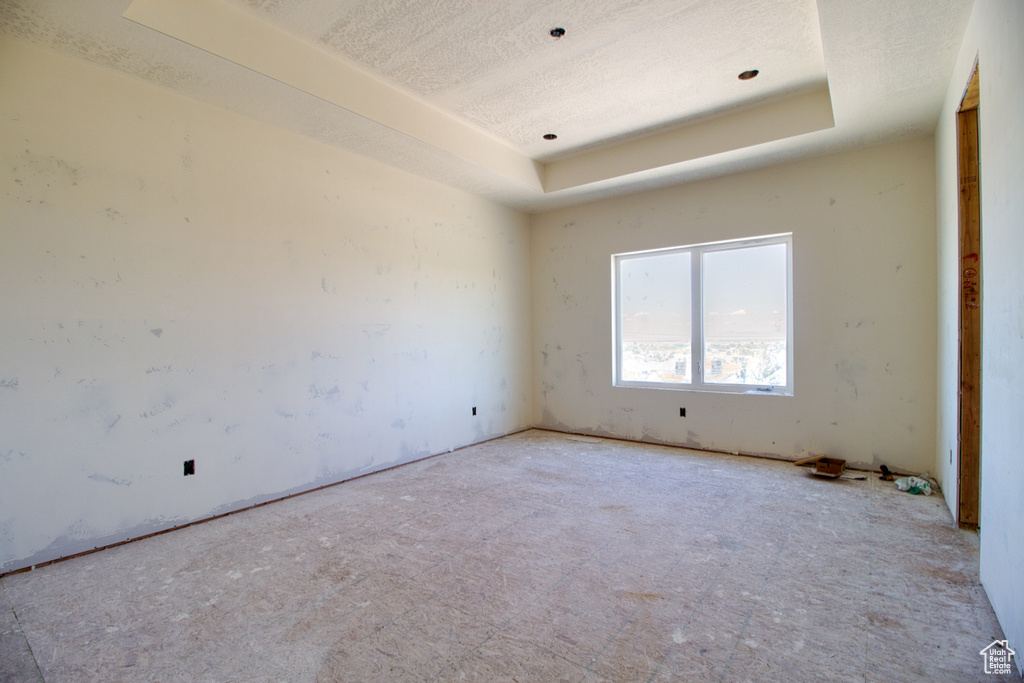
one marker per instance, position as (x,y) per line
(969,395)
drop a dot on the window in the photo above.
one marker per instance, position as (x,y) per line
(711,317)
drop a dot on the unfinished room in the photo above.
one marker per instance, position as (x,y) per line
(572,340)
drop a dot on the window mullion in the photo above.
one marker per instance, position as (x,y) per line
(617,318)
(697,318)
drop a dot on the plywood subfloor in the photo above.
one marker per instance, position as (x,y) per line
(528,558)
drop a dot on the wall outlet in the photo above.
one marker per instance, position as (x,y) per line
(190,467)
(474,410)
(682,412)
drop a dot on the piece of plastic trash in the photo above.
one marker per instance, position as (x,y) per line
(914,485)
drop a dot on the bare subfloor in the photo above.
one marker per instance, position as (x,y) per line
(530,558)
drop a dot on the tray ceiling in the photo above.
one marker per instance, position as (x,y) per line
(640,93)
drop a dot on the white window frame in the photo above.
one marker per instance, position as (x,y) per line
(697,382)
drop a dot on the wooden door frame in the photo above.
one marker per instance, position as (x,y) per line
(969,319)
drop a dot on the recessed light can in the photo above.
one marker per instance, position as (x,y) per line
(550,136)
(747,75)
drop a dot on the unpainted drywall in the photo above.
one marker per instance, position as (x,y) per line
(863,275)
(993,38)
(182,283)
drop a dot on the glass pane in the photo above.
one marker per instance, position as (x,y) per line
(745,316)
(655,309)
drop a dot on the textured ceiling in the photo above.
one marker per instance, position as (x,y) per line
(621,66)
(642,93)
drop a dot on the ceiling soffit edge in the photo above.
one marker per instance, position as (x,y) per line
(232,34)
(243,39)
(807,112)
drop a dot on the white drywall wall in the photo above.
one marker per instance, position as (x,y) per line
(182,283)
(863,225)
(994,38)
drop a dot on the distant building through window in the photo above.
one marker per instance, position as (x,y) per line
(715,317)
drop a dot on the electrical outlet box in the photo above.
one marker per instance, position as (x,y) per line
(474,410)
(682,412)
(190,467)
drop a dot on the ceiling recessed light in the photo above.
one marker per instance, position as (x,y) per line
(550,136)
(557,33)
(747,75)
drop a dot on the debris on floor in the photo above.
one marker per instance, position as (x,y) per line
(825,466)
(914,485)
(887,474)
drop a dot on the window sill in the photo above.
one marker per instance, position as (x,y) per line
(736,391)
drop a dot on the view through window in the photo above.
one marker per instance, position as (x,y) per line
(712,316)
